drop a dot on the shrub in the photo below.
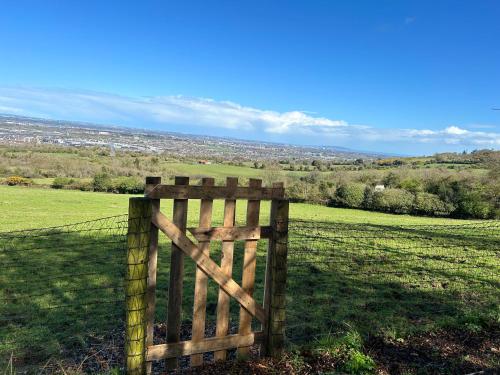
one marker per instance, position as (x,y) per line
(61,182)
(412,185)
(431,205)
(81,185)
(368,198)
(298,191)
(102,182)
(128,185)
(472,204)
(17,180)
(350,195)
(391,180)
(398,201)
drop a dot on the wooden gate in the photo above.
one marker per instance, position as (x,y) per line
(146,220)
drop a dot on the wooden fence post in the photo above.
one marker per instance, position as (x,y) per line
(151,183)
(138,242)
(276,273)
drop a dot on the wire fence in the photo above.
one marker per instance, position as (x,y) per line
(61,296)
(390,280)
(62,288)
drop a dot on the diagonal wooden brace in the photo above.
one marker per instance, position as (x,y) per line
(207,265)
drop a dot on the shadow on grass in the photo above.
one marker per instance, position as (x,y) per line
(60,288)
(390,281)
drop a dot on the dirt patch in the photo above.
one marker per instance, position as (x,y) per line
(441,352)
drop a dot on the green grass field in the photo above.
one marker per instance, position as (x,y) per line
(23,208)
(381,275)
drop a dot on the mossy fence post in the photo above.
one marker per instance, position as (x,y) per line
(276,272)
(138,243)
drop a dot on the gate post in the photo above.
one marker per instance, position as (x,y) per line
(276,279)
(151,183)
(138,242)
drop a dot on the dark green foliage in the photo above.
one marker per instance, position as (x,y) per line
(350,195)
(412,185)
(397,201)
(392,180)
(120,185)
(102,182)
(128,185)
(61,182)
(431,205)
(472,204)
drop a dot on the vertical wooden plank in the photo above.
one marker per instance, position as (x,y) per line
(151,182)
(139,227)
(249,263)
(276,279)
(174,317)
(201,281)
(222,326)
(270,253)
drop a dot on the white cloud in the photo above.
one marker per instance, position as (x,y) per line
(455,130)
(177,112)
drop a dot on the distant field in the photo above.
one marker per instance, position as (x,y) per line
(22,208)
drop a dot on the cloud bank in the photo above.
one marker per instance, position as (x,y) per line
(176,112)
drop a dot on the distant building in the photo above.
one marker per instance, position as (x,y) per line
(379,187)
(205,162)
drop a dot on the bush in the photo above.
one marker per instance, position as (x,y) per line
(17,180)
(128,185)
(391,180)
(431,205)
(61,182)
(368,197)
(398,201)
(350,195)
(472,204)
(412,185)
(298,191)
(102,182)
(81,185)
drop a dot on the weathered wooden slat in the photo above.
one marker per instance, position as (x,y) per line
(158,352)
(249,264)
(214,192)
(230,233)
(222,325)
(201,280)
(174,316)
(208,265)
(151,182)
(139,227)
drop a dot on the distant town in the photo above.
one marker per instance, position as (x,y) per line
(26,130)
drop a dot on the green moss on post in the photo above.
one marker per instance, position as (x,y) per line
(276,279)
(138,239)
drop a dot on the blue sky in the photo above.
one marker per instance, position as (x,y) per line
(411,77)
